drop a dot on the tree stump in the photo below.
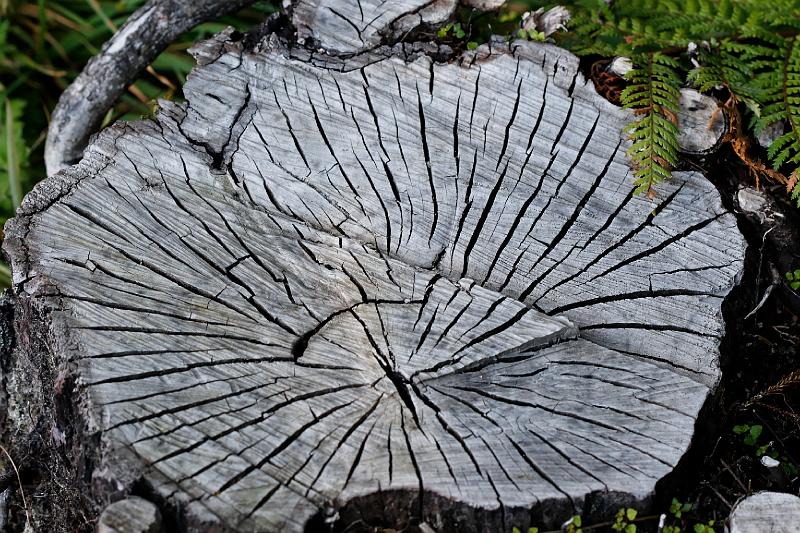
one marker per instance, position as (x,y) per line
(766,512)
(350,27)
(380,288)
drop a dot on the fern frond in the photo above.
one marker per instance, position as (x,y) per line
(747,47)
(653,94)
(795,189)
(780,87)
(724,67)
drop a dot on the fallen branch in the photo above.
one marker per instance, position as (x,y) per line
(146,34)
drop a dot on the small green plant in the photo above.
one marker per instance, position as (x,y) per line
(457,31)
(623,519)
(750,437)
(750,433)
(531,35)
(794,279)
(746,51)
(704,528)
(452,29)
(574,525)
(676,510)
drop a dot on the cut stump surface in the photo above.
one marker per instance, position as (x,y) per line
(350,27)
(421,286)
(766,512)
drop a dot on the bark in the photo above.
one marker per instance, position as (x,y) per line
(380,288)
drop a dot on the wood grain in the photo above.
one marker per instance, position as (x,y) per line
(147,32)
(380,279)
(350,27)
(766,512)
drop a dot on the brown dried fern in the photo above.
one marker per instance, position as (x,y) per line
(779,388)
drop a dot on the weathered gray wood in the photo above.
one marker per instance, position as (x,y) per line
(131,515)
(701,123)
(766,512)
(329,284)
(4,507)
(350,27)
(148,31)
(548,22)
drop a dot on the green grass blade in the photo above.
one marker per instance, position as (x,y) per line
(5,275)
(12,157)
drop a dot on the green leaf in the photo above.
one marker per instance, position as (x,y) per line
(472,45)
(630,528)
(630,514)
(743,428)
(515,530)
(5,274)
(533,529)
(535,35)
(13,151)
(675,506)
(653,92)
(576,520)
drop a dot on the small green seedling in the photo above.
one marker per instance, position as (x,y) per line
(623,519)
(574,525)
(452,29)
(677,509)
(794,279)
(750,433)
(704,528)
(531,35)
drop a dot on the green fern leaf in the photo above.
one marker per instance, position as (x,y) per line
(653,94)
(781,91)
(796,194)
